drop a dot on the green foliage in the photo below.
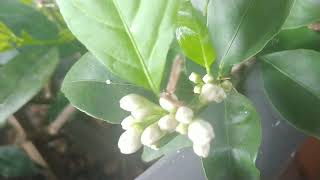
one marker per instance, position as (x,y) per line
(304,12)
(14,162)
(238,137)
(23,77)
(193,36)
(119,37)
(240,29)
(291,80)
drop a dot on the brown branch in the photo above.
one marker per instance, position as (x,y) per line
(62,118)
(28,146)
(175,74)
(315,27)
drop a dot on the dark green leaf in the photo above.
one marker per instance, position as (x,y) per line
(20,17)
(23,77)
(130,37)
(291,80)
(193,36)
(14,162)
(289,39)
(240,29)
(237,139)
(175,144)
(303,12)
(90,87)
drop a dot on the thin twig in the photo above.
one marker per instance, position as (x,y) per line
(175,74)
(62,118)
(28,146)
(315,27)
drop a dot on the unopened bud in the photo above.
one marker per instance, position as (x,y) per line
(182,128)
(226,85)
(151,135)
(167,104)
(200,132)
(132,102)
(142,113)
(168,123)
(197,89)
(127,122)
(195,78)
(212,92)
(201,150)
(208,78)
(184,115)
(129,141)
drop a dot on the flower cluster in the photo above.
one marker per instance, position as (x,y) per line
(149,122)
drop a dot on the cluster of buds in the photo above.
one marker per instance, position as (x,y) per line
(208,90)
(171,116)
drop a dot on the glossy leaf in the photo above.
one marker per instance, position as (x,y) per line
(14,162)
(130,37)
(290,39)
(7,37)
(22,77)
(177,143)
(237,139)
(240,29)
(193,36)
(90,87)
(304,12)
(20,17)
(291,80)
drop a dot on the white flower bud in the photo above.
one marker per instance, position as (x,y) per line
(195,78)
(200,132)
(127,122)
(211,92)
(182,128)
(142,113)
(132,102)
(151,135)
(184,115)
(226,85)
(197,89)
(208,78)
(201,150)
(168,123)
(129,141)
(167,104)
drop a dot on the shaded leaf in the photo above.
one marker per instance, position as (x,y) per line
(237,139)
(291,80)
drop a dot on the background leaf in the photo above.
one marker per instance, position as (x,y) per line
(240,29)
(238,136)
(22,77)
(304,12)
(291,80)
(193,36)
(129,37)
(14,162)
(20,17)
(86,87)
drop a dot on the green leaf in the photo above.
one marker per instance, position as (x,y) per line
(14,162)
(7,37)
(289,39)
(130,37)
(22,77)
(240,29)
(237,139)
(303,13)
(193,36)
(291,80)
(177,143)
(91,88)
(20,17)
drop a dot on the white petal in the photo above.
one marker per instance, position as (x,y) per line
(200,132)
(168,123)
(127,122)
(194,77)
(207,78)
(129,141)
(182,129)
(142,113)
(167,104)
(202,150)
(132,102)
(197,89)
(151,135)
(184,115)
